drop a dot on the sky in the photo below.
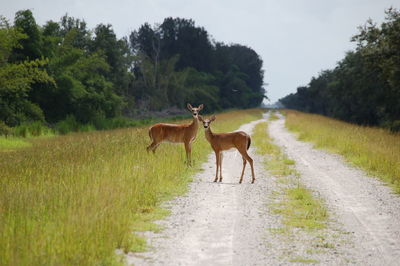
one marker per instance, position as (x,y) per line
(296,39)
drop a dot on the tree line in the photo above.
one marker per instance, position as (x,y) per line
(64,69)
(364,87)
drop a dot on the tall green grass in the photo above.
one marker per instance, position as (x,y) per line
(11,143)
(70,124)
(21,136)
(75,199)
(375,150)
(33,129)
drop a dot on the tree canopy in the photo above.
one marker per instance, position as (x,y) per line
(64,69)
(364,87)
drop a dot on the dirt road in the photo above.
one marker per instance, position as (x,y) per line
(215,223)
(365,206)
(231,224)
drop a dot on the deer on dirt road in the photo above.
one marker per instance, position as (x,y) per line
(225,141)
(175,133)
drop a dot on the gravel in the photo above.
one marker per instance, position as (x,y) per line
(232,224)
(365,206)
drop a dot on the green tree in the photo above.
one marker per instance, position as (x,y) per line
(29,48)
(232,74)
(200,88)
(380,48)
(16,79)
(118,57)
(364,87)
(82,87)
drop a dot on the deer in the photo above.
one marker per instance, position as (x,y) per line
(225,141)
(176,133)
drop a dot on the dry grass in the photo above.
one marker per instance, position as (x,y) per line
(373,149)
(73,200)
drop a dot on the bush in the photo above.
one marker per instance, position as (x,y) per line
(69,124)
(31,129)
(395,126)
(86,128)
(4,129)
(102,123)
(120,122)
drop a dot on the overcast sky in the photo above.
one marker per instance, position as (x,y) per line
(296,39)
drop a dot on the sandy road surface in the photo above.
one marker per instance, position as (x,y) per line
(215,223)
(365,206)
(231,224)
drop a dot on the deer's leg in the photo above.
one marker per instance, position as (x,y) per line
(190,154)
(217,163)
(248,158)
(188,149)
(153,146)
(220,167)
(244,167)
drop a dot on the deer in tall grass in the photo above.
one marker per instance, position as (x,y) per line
(176,133)
(225,141)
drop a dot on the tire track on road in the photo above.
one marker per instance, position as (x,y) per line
(365,206)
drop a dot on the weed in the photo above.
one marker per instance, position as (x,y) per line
(273,116)
(304,260)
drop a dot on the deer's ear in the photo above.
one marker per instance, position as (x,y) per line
(200,118)
(189,106)
(213,118)
(201,107)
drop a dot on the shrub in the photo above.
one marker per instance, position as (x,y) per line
(31,129)
(395,126)
(102,123)
(69,124)
(86,128)
(4,129)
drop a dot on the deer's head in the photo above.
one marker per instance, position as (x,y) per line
(207,122)
(195,111)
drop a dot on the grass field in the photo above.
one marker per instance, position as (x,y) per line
(375,150)
(12,143)
(75,199)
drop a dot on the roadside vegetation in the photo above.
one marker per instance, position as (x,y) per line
(375,150)
(23,135)
(75,199)
(64,71)
(299,207)
(273,115)
(363,88)
(10,143)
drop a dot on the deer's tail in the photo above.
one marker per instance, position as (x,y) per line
(248,143)
(150,135)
